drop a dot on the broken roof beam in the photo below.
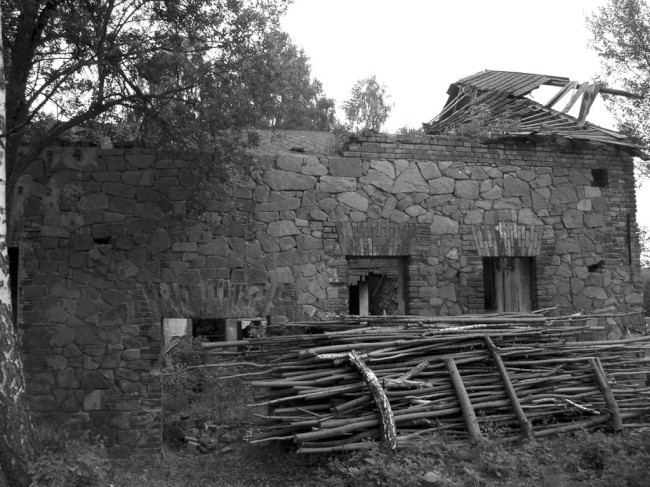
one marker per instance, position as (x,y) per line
(580,89)
(560,94)
(612,91)
(588,99)
(603,89)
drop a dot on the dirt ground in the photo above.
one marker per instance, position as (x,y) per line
(582,459)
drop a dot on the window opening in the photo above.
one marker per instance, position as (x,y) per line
(377,285)
(214,329)
(600,178)
(217,329)
(508,283)
(596,267)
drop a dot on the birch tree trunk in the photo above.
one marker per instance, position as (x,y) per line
(16,431)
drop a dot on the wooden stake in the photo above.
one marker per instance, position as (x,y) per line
(610,400)
(465,405)
(526,428)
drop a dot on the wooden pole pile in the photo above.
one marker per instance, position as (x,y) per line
(516,376)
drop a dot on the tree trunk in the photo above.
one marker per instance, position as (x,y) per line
(16,430)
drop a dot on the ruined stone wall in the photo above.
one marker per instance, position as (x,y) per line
(108,248)
(547,187)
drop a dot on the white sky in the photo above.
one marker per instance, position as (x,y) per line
(417,48)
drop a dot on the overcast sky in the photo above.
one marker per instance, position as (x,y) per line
(417,48)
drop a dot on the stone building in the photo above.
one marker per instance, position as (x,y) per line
(466,220)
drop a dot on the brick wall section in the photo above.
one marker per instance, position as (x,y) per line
(270,141)
(108,249)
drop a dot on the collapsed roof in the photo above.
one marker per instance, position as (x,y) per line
(495,103)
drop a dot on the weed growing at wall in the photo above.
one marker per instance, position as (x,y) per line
(64,462)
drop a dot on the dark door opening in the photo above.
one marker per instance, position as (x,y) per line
(508,283)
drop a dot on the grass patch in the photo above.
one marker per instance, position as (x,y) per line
(579,460)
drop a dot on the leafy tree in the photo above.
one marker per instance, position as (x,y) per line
(152,70)
(369,105)
(184,73)
(271,88)
(621,36)
(286,94)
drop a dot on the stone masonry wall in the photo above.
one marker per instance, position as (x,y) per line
(107,249)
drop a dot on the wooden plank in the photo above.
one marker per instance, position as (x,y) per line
(587,101)
(519,282)
(510,286)
(579,91)
(560,94)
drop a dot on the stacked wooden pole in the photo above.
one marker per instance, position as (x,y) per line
(515,376)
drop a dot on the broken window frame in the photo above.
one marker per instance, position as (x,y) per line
(215,329)
(370,268)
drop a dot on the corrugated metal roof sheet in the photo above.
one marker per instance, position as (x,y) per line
(496,101)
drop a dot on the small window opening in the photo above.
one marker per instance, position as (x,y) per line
(596,267)
(377,285)
(102,240)
(600,178)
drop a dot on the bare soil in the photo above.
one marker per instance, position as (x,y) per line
(583,459)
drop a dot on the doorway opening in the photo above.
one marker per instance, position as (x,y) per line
(508,283)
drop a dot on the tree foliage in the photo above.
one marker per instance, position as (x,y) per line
(621,36)
(407,130)
(369,105)
(178,74)
(289,98)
